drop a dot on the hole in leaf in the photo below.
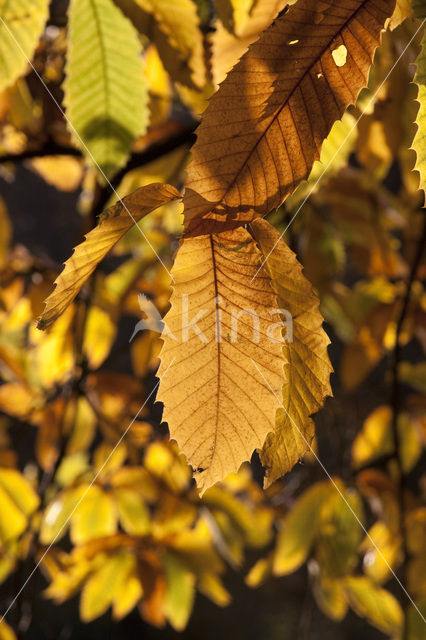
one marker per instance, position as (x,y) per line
(340,55)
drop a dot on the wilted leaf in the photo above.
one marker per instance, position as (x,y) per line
(24,19)
(218,406)
(105,95)
(275,109)
(307,369)
(113,224)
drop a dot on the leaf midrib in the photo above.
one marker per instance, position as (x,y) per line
(279,110)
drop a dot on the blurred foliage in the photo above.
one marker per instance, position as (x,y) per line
(122,525)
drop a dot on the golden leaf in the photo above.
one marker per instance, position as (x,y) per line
(17,502)
(175,30)
(273,111)
(94,516)
(102,587)
(180,582)
(113,224)
(379,606)
(218,407)
(300,527)
(307,368)
(228,48)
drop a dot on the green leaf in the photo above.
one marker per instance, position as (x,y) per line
(24,21)
(105,94)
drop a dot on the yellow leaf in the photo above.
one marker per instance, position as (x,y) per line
(420,80)
(94,517)
(375,438)
(63,172)
(330,597)
(380,607)
(99,335)
(19,490)
(127,597)
(254,524)
(218,406)
(71,467)
(340,532)
(23,22)
(113,224)
(307,369)
(17,502)
(17,399)
(54,351)
(6,632)
(259,573)
(83,426)
(376,565)
(211,586)
(179,22)
(132,511)
(228,48)
(300,527)
(56,517)
(245,171)
(101,588)
(403,10)
(180,582)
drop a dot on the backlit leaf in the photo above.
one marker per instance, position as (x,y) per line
(179,23)
(218,406)
(379,606)
(100,590)
(419,145)
(307,368)
(24,19)
(105,95)
(94,517)
(299,529)
(113,224)
(292,90)
(180,591)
